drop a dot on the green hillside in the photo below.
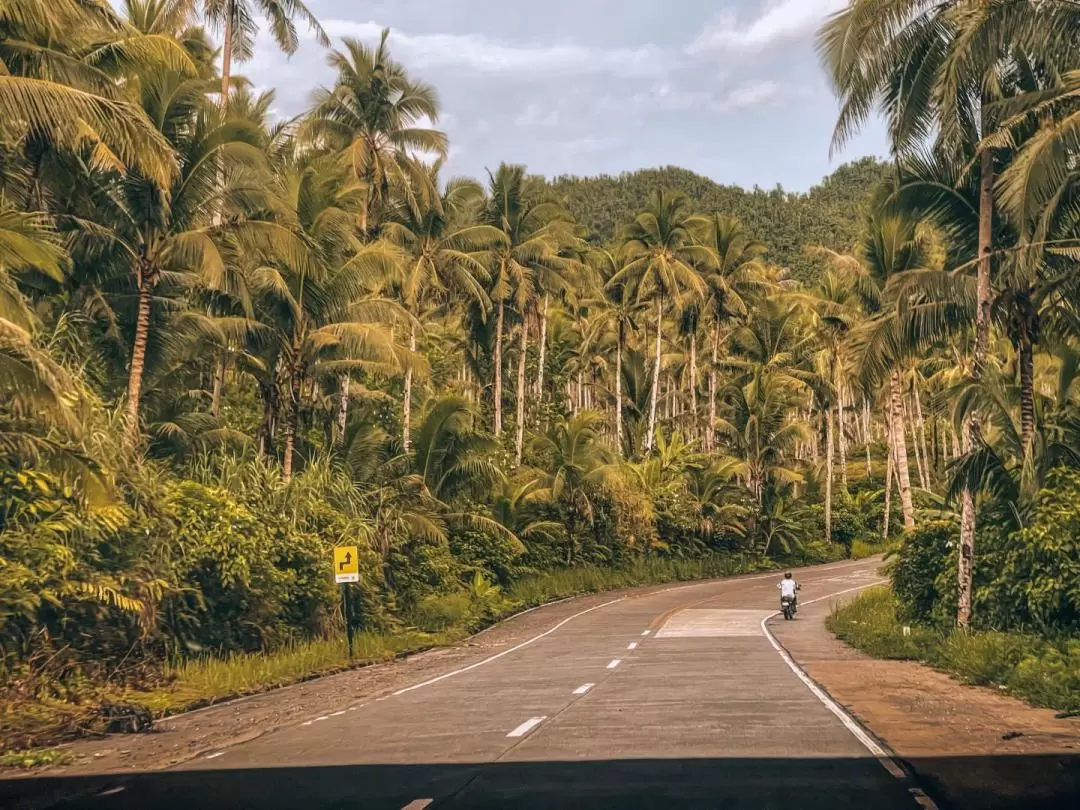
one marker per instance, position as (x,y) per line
(787,222)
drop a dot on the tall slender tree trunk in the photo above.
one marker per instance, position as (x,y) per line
(867,437)
(226,55)
(406,403)
(138,358)
(1027,392)
(268,427)
(920,467)
(519,443)
(828,473)
(618,390)
(650,436)
(899,444)
(497,404)
(292,422)
(920,424)
(693,384)
(343,408)
(841,441)
(710,429)
(220,368)
(889,474)
(966,565)
(543,350)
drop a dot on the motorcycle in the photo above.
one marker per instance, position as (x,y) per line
(787,606)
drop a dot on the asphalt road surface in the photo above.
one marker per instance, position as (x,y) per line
(678,698)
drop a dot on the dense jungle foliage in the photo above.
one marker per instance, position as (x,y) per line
(229,343)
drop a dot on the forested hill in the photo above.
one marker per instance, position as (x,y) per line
(826,215)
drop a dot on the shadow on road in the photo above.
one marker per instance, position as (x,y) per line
(682,783)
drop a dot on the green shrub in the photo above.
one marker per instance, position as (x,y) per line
(920,564)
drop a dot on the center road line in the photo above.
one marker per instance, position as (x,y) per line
(527,726)
(417,804)
(614,663)
(585,687)
(646,632)
(497,656)
(632,645)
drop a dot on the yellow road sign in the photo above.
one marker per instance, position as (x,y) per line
(346,564)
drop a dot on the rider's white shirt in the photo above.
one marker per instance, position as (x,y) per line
(787,587)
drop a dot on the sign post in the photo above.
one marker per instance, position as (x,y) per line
(346,570)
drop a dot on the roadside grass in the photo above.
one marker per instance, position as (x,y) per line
(1044,672)
(35,758)
(860,549)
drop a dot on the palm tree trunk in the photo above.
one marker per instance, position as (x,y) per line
(543,350)
(899,445)
(497,404)
(889,475)
(920,424)
(867,437)
(618,391)
(920,467)
(219,385)
(520,442)
(343,409)
(268,427)
(226,55)
(406,404)
(292,423)
(1027,392)
(841,442)
(138,359)
(828,474)
(710,429)
(966,565)
(693,385)
(651,435)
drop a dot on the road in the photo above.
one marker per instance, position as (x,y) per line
(676,698)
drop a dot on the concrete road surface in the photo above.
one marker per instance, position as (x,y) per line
(678,698)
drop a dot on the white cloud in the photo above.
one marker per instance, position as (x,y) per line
(534,115)
(777,22)
(754,93)
(481,54)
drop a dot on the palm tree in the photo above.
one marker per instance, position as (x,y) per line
(574,456)
(527,258)
(661,258)
(370,118)
(238,20)
(321,315)
(445,259)
(731,285)
(65,93)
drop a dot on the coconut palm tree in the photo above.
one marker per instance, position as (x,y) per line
(528,259)
(660,263)
(238,20)
(445,259)
(369,117)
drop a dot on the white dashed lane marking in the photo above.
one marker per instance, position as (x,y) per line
(614,663)
(585,687)
(526,727)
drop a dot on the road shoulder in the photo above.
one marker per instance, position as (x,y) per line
(970,746)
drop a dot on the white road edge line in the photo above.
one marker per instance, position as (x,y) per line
(317,719)
(214,755)
(888,762)
(645,633)
(113,791)
(632,645)
(337,714)
(417,804)
(497,656)
(614,663)
(585,687)
(527,726)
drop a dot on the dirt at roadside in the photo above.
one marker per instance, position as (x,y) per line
(974,747)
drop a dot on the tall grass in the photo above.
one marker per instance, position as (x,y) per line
(1044,672)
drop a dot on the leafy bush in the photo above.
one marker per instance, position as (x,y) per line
(917,575)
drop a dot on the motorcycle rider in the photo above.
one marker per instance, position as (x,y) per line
(788,586)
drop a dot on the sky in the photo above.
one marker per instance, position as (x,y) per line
(731,89)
